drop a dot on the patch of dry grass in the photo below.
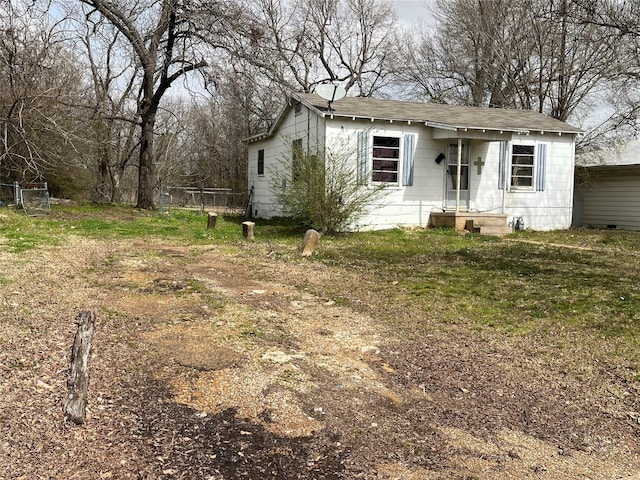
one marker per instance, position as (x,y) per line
(413,354)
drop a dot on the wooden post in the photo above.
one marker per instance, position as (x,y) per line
(211,220)
(247,229)
(75,403)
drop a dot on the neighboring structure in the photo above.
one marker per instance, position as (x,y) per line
(439,161)
(607,193)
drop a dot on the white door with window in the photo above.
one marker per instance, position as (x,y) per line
(451,173)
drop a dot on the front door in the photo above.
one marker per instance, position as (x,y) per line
(452,173)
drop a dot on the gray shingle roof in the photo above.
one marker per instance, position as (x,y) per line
(617,156)
(453,116)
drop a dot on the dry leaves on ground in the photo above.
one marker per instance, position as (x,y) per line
(219,366)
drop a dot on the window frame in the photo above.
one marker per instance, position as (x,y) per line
(297,154)
(514,187)
(397,158)
(452,166)
(261,162)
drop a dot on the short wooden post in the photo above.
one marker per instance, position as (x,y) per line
(211,220)
(247,229)
(75,403)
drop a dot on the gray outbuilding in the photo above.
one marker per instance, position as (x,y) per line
(607,194)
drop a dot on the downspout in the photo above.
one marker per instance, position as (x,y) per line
(505,169)
(324,121)
(308,130)
(458,175)
(573,184)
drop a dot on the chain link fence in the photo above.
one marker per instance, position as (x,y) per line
(223,200)
(32,197)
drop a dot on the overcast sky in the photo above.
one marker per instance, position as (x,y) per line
(413,11)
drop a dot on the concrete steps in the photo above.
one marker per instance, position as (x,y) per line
(483,223)
(488,226)
(497,231)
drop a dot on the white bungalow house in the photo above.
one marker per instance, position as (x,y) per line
(442,164)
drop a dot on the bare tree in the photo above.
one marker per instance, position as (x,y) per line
(531,54)
(112,127)
(162,36)
(353,41)
(457,63)
(572,59)
(39,86)
(300,43)
(620,20)
(213,153)
(172,141)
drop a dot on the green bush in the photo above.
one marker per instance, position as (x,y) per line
(321,190)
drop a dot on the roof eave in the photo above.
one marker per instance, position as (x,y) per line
(331,114)
(444,126)
(612,167)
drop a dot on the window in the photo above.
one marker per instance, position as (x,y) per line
(452,167)
(261,162)
(296,158)
(522,167)
(386,159)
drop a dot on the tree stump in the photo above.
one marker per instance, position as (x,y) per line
(75,403)
(247,229)
(211,220)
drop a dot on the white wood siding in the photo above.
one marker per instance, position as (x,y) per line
(412,205)
(305,126)
(612,201)
(552,208)
(403,205)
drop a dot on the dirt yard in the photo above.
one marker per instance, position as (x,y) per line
(215,365)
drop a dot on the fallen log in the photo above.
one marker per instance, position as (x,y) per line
(75,403)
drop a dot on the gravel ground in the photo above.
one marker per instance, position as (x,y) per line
(208,365)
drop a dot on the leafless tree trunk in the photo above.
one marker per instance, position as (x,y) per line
(112,123)
(162,36)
